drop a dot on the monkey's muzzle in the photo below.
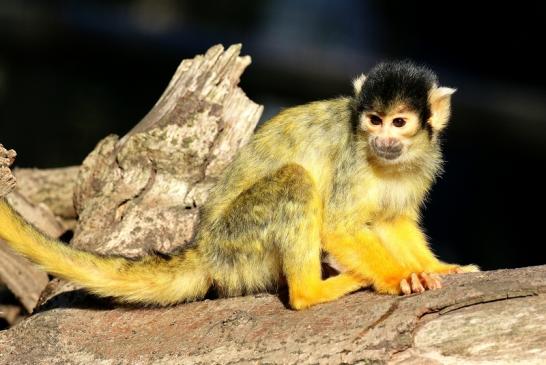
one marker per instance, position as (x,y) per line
(388,149)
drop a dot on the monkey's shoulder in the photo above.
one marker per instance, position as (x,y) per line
(309,135)
(314,117)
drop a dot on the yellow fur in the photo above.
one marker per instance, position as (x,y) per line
(306,182)
(386,252)
(148,281)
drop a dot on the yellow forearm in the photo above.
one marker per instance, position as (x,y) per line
(364,256)
(385,253)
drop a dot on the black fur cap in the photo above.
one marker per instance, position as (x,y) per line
(391,82)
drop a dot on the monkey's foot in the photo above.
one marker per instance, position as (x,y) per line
(419,282)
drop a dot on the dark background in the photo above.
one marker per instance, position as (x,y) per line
(72,72)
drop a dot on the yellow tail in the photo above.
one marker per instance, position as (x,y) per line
(150,280)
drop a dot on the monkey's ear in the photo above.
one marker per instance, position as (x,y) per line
(440,106)
(358,82)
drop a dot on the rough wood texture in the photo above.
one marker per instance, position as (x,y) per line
(52,187)
(479,318)
(142,192)
(21,277)
(7,180)
(10,313)
(38,215)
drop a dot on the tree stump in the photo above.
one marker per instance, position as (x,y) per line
(142,192)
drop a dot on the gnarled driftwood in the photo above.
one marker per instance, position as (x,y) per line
(143,191)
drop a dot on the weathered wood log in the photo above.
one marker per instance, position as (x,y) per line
(7,180)
(52,187)
(479,318)
(10,313)
(19,275)
(142,192)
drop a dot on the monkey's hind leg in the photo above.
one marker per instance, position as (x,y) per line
(298,212)
(271,231)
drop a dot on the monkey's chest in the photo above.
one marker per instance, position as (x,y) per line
(385,200)
(367,201)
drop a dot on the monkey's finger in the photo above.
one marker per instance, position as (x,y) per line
(416,285)
(436,278)
(425,281)
(405,287)
(428,282)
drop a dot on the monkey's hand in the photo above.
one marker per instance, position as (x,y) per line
(419,282)
(364,256)
(394,256)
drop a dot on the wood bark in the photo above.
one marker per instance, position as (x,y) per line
(20,276)
(51,187)
(10,313)
(496,317)
(142,192)
(7,180)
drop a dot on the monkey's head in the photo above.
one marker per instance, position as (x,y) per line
(401,110)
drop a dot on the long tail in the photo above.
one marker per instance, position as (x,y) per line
(151,280)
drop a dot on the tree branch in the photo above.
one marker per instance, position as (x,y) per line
(488,317)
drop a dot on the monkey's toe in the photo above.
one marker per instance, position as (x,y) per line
(416,285)
(405,287)
(430,281)
(420,282)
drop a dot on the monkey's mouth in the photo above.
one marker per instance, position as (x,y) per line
(388,153)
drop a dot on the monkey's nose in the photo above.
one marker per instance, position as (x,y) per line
(389,148)
(387,143)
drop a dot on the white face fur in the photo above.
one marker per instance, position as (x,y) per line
(390,134)
(396,136)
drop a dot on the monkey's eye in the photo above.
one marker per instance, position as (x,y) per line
(375,120)
(398,122)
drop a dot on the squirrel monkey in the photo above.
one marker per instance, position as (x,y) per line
(345,176)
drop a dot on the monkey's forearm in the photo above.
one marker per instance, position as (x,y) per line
(364,256)
(393,255)
(404,236)
(405,239)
